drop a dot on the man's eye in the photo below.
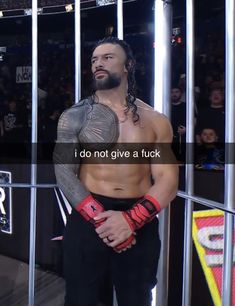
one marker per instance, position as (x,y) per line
(108,57)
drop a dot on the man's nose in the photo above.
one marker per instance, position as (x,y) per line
(99,64)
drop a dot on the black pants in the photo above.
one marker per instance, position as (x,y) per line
(88,261)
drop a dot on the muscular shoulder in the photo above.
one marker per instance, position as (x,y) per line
(143,107)
(159,122)
(147,111)
(74,116)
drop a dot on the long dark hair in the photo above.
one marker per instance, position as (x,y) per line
(130,66)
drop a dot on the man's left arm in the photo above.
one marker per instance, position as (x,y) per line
(164,172)
(158,197)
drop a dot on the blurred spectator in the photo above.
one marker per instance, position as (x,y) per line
(54,98)
(212,80)
(13,123)
(42,95)
(50,126)
(5,70)
(178,121)
(212,117)
(178,111)
(3,91)
(209,155)
(182,86)
(143,82)
(49,133)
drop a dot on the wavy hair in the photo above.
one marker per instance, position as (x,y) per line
(130,66)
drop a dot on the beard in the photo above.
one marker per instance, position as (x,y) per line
(112,80)
(175,99)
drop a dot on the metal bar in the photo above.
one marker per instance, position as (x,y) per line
(230,106)
(120,36)
(77,51)
(166,73)
(159,55)
(182,194)
(228,260)
(22,185)
(206,202)
(162,85)
(229,196)
(33,195)
(163,266)
(120,19)
(189,175)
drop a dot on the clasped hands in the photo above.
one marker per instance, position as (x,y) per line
(114,230)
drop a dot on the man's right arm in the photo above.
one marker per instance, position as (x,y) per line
(67,170)
(67,167)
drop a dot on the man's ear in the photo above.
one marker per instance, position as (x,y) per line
(128,66)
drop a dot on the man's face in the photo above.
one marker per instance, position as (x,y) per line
(108,66)
(217,97)
(175,94)
(209,136)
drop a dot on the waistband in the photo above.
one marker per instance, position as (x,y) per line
(115,203)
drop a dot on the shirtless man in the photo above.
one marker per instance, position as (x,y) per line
(113,229)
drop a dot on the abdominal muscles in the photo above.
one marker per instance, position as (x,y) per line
(119,181)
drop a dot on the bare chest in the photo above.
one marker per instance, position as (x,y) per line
(139,132)
(106,125)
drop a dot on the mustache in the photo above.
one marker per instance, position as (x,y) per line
(102,70)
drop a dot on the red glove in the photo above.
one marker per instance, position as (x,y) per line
(90,208)
(142,212)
